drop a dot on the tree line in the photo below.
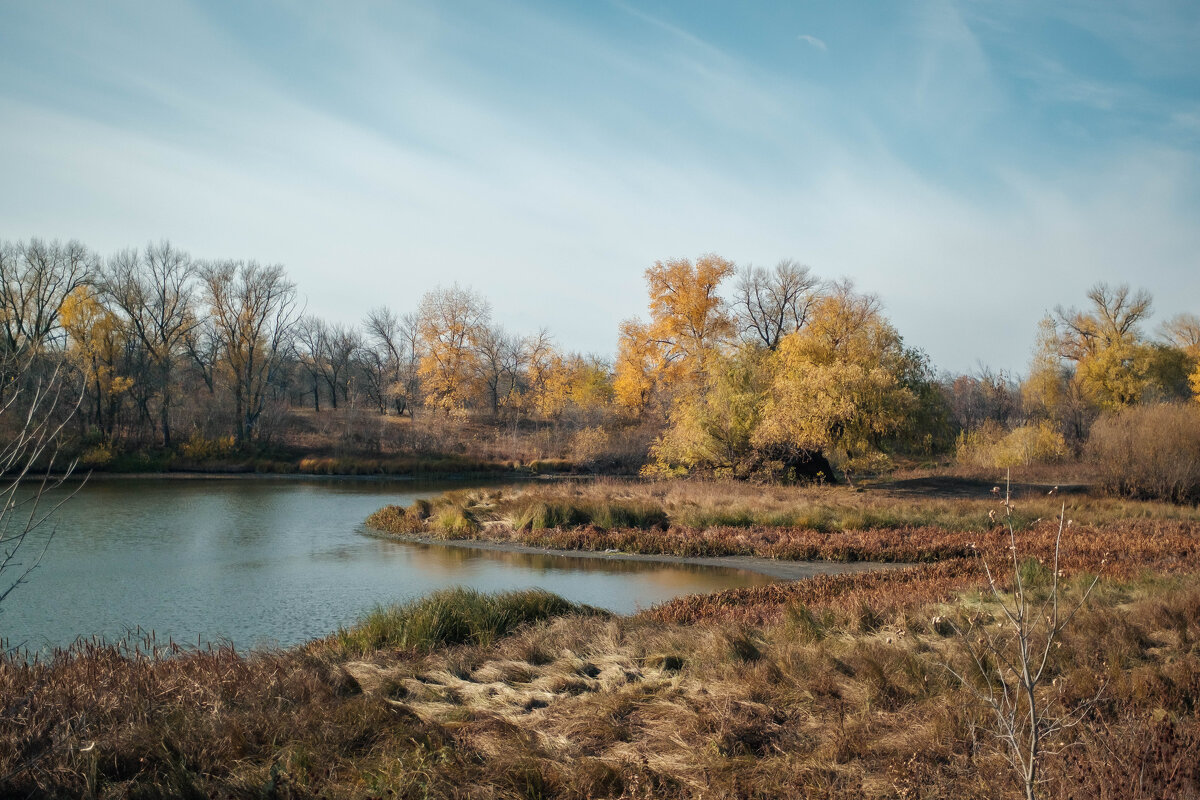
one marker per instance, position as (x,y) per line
(735,370)
(158,340)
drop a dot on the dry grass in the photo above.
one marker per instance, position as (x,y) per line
(813,705)
(832,687)
(697,518)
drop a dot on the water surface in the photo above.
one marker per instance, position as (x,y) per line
(263,562)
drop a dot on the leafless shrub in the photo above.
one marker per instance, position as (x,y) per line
(33,419)
(1011,667)
(1149,451)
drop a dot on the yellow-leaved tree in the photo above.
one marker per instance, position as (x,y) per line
(1113,363)
(574,382)
(451,322)
(843,384)
(688,322)
(95,342)
(712,424)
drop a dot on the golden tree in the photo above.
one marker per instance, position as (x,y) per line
(95,341)
(687,316)
(639,366)
(573,381)
(688,321)
(843,383)
(1106,344)
(451,323)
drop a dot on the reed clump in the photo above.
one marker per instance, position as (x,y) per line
(450,617)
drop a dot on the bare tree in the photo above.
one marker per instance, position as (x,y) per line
(33,419)
(769,304)
(310,337)
(986,396)
(342,344)
(153,292)
(35,278)
(501,357)
(253,309)
(1115,317)
(203,345)
(1012,663)
(1183,331)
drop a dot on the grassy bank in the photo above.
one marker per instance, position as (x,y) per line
(696,518)
(822,702)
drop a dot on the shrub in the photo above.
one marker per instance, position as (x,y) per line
(589,446)
(200,448)
(100,455)
(990,446)
(1150,451)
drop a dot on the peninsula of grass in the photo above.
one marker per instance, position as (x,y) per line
(727,518)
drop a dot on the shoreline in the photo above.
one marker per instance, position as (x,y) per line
(200,475)
(771,567)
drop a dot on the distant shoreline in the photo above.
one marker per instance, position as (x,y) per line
(200,475)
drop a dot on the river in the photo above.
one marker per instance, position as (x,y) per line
(264,562)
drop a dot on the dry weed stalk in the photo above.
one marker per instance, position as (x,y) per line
(28,455)
(1010,668)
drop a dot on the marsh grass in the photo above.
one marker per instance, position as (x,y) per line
(532,513)
(599,707)
(450,617)
(697,518)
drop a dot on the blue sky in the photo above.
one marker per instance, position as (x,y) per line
(973,163)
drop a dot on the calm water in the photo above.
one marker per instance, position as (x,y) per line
(266,562)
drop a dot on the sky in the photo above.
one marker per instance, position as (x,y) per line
(973,163)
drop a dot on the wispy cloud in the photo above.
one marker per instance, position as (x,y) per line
(808,38)
(547,159)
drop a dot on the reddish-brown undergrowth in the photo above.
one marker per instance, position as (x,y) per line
(827,706)
(1120,550)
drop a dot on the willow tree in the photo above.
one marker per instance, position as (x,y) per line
(711,427)
(844,384)
(253,311)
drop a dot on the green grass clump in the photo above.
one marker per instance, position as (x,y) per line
(455,521)
(540,515)
(450,617)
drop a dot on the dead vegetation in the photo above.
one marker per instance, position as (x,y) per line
(822,703)
(835,686)
(725,518)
